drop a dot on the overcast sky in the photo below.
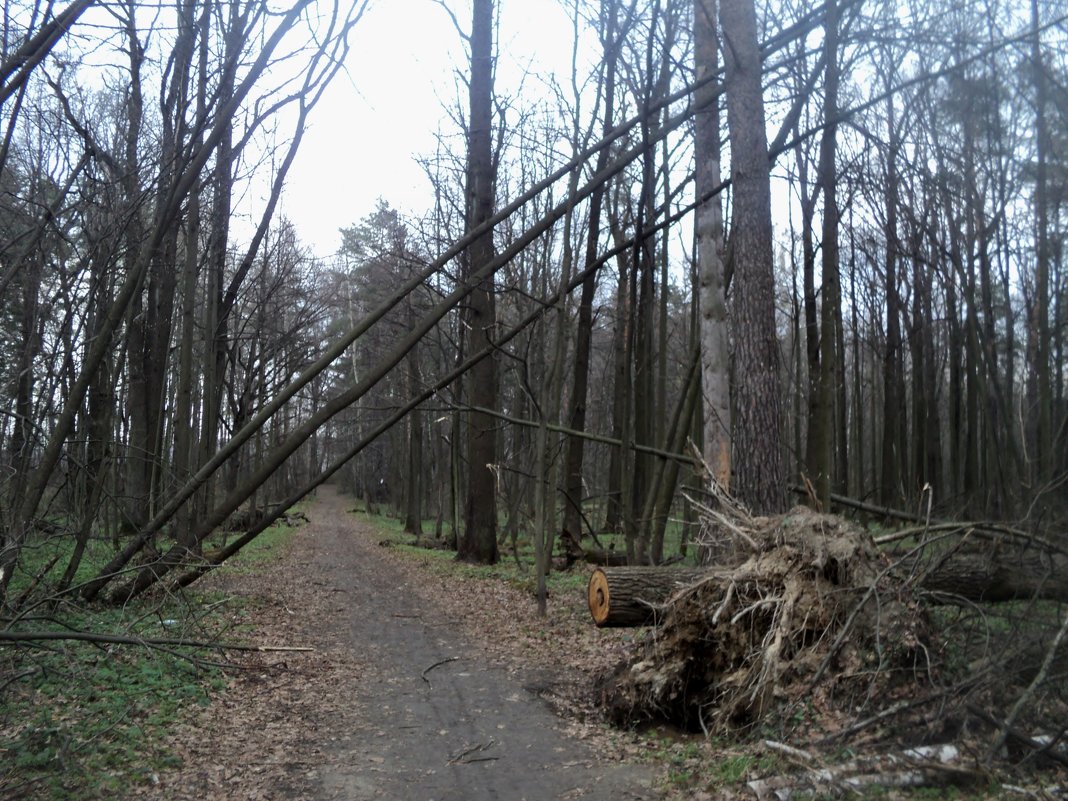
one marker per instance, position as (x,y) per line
(374,121)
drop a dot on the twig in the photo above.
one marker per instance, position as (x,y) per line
(436,664)
(889,712)
(790,751)
(17,677)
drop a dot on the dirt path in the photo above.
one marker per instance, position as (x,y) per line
(397,702)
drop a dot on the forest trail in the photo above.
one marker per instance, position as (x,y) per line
(397,702)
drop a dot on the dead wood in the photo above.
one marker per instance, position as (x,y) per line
(740,643)
(632,596)
(573,551)
(147,642)
(998,571)
(915,767)
(1043,749)
(810,613)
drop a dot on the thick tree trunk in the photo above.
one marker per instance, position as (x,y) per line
(479,540)
(759,479)
(1008,574)
(629,596)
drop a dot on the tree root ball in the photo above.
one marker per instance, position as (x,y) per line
(814,613)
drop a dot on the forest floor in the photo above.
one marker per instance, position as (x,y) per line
(422,685)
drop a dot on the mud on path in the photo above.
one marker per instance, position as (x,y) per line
(422,687)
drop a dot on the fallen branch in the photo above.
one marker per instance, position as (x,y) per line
(1029,693)
(1016,736)
(916,767)
(119,639)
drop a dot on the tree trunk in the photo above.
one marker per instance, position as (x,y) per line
(893,416)
(830,312)
(627,596)
(413,494)
(614,512)
(715,333)
(583,334)
(479,540)
(1040,395)
(758,468)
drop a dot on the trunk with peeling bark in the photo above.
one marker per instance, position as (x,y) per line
(715,349)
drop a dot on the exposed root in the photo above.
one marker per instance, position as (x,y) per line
(814,598)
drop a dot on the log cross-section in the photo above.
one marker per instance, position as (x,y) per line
(630,596)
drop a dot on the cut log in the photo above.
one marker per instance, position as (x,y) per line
(629,596)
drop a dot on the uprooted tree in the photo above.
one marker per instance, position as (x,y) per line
(809,627)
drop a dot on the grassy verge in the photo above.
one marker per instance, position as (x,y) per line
(518,573)
(82,721)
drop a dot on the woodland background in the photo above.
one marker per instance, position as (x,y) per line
(891,328)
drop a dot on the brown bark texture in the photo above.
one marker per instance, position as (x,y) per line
(758,476)
(479,540)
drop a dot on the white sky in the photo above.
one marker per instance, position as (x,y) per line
(374,120)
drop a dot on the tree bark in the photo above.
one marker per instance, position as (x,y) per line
(759,478)
(715,333)
(479,540)
(627,596)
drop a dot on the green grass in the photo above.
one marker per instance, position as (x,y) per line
(443,562)
(82,721)
(269,545)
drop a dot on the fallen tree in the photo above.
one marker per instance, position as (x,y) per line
(812,614)
(961,563)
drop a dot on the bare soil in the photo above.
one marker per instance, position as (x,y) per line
(422,686)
